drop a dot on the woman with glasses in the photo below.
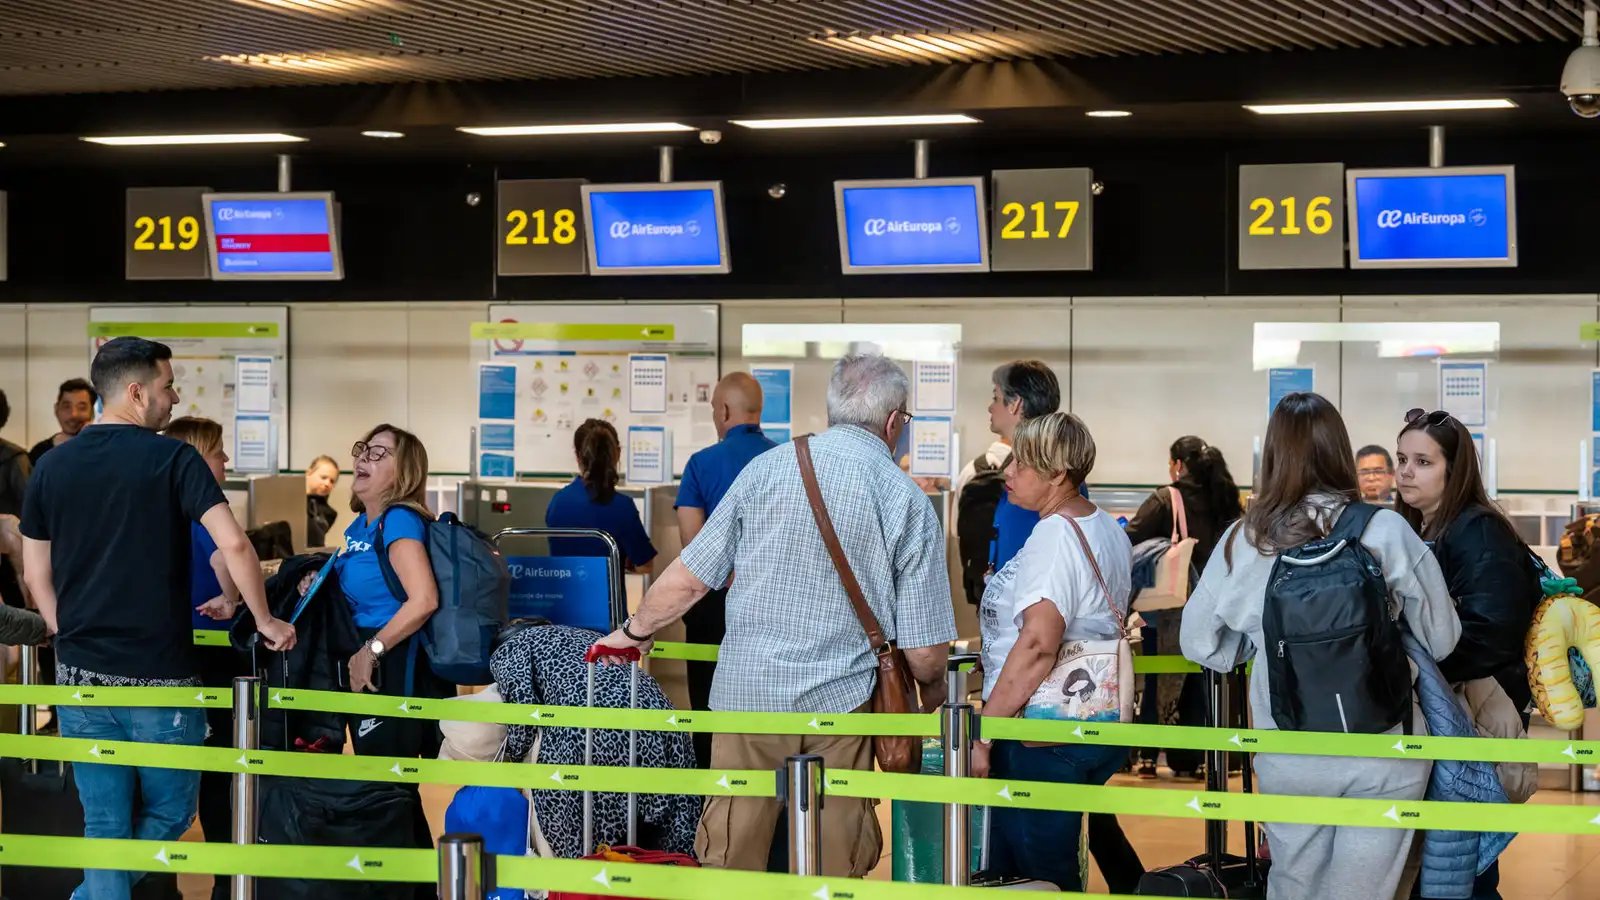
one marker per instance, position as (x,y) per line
(1308,479)
(391,598)
(1491,574)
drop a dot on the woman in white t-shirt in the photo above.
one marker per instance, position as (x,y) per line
(1048,593)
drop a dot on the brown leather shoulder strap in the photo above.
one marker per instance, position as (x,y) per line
(830,538)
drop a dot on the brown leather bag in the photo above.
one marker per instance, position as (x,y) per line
(894,691)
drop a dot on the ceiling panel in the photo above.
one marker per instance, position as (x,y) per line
(81,46)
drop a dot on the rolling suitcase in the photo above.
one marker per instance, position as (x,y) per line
(629,852)
(1215,873)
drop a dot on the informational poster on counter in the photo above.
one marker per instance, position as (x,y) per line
(931,455)
(651,365)
(227,362)
(1464,392)
(1283,382)
(933,388)
(648,449)
(777,400)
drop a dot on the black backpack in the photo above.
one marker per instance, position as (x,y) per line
(1335,657)
(975,524)
(315,812)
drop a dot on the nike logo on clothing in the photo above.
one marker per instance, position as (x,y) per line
(367,727)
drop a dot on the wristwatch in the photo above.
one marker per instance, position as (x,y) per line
(376,647)
(630,635)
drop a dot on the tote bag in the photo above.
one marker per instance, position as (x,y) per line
(1171,589)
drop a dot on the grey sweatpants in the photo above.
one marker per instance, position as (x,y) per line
(1328,863)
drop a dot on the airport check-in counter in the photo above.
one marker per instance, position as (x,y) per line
(258,500)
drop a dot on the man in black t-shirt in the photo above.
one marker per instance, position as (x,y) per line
(106,538)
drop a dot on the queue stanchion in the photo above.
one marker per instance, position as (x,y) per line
(27,714)
(800,789)
(246,737)
(462,865)
(956,724)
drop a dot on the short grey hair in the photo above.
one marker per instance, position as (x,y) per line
(865,390)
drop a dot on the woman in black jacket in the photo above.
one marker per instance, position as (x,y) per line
(1490,571)
(1211,503)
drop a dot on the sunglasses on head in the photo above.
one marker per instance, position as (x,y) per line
(1430,419)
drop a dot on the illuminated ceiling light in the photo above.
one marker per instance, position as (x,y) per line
(385,135)
(858,121)
(322,7)
(592,128)
(1378,106)
(162,140)
(332,62)
(947,46)
(1108,114)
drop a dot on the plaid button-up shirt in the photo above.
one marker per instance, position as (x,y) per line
(793,641)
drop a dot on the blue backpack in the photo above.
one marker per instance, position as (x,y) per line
(474,589)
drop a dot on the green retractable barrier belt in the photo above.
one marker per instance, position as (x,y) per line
(912,724)
(843,782)
(340,863)
(67,695)
(1134,801)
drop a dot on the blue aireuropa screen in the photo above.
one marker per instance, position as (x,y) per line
(914,225)
(669,228)
(1432,217)
(270,237)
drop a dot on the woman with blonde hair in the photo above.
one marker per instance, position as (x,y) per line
(392,596)
(1069,583)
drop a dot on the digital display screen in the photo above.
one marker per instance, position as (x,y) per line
(1424,218)
(932,225)
(644,229)
(277,236)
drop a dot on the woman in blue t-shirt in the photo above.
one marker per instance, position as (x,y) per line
(216,601)
(391,603)
(592,501)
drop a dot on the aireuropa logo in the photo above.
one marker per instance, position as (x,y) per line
(229,213)
(622,229)
(878,227)
(1395,218)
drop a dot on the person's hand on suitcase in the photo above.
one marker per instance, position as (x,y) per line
(618,649)
(278,634)
(362,665)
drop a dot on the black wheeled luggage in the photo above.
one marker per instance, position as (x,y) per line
(1215,873)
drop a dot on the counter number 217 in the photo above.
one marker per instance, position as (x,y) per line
(1041,227)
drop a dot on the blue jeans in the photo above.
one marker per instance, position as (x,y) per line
(127,801)
(1043,844)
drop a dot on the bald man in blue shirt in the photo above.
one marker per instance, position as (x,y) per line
(736,411)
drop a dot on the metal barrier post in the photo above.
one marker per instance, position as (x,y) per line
(800,783)
(956,734)
(27,714)
(246,737)
(461,867)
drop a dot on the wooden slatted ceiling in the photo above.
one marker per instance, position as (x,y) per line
(77,46)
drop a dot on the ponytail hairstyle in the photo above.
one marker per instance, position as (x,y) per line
(598,451)
(1209,470)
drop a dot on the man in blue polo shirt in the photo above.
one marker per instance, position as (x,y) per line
(736,410)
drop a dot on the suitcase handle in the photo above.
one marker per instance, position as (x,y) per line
(595,653)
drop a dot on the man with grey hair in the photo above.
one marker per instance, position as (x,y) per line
(794,643)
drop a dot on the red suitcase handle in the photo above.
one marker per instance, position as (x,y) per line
(595,653)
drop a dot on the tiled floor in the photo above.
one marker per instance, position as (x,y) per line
(1536,867)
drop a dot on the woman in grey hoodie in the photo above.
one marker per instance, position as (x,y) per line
(1307,479)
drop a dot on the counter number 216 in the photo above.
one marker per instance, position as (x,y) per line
(1317,219)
